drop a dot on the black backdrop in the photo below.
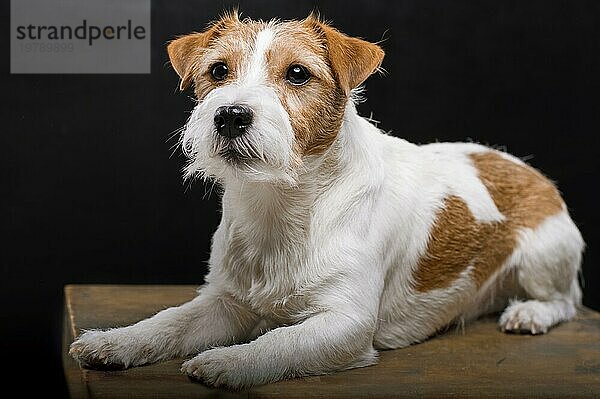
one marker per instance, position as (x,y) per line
(90,193)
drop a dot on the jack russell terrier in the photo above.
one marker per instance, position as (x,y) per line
(337,240)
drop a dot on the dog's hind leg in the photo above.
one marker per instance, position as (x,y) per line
(547,264)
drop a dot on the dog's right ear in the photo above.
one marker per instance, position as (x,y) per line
(185,51)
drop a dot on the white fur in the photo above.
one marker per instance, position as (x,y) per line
(312,268)
(255,73)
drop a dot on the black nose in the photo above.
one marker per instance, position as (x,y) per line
(232,120)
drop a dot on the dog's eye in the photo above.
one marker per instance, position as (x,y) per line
(297,75)
(219,71)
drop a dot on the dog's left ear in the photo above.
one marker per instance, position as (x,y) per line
(353,60)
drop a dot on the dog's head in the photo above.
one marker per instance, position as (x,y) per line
(269,94)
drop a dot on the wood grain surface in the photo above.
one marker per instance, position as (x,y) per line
(475,362)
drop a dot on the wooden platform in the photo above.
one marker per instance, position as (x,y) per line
(479,362)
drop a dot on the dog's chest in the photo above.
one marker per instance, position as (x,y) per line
(266,262)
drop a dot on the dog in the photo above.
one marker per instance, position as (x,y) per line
(337,240)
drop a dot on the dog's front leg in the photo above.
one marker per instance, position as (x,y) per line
(211,319)
(334,339)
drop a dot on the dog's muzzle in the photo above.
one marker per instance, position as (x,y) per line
(232,121)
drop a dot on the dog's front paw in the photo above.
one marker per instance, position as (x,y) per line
(107,350)
(229,367)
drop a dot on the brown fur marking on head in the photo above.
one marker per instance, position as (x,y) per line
(352,59)
(316,109)
(458,240)
(337,64)
(185,51)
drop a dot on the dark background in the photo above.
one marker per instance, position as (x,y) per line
(90,193)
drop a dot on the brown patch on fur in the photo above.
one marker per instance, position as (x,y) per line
(457,240)
(521,193)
